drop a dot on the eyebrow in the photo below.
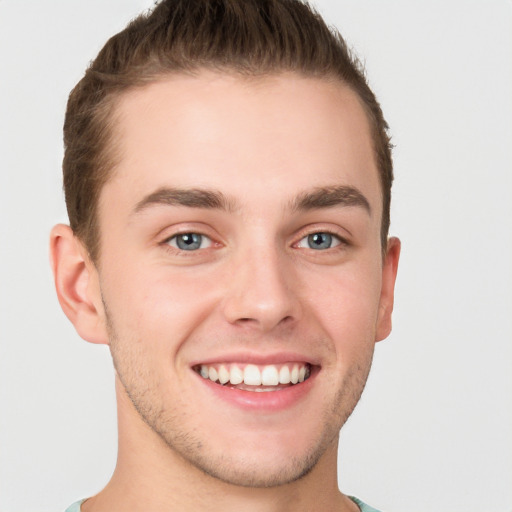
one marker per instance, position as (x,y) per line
(331,196)
(320,197)
(191,198)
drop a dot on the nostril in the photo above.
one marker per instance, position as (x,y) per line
(248,320)
(245,320)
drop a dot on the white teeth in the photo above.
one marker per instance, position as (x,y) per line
(252,375)
(223,374)
(294,377)
(284,375)
(270,376)
(237,375)
(212,374)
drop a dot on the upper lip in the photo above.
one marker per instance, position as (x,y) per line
(258,358)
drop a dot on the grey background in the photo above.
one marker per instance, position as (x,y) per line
(433,430)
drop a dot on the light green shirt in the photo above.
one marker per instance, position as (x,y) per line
(75,507)
(364,508)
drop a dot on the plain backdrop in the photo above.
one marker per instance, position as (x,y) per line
(433,432)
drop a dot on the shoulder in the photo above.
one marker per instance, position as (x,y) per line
(363,506)
(75,507)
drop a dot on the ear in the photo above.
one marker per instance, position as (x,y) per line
(387,295)
(77,284)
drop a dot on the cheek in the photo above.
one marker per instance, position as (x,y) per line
(159,304)
(346,302)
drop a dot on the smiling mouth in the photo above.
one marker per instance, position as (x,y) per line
(251,377)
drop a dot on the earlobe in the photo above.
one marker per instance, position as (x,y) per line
(77,285)
(389,271)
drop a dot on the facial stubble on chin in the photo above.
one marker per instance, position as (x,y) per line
(142,391)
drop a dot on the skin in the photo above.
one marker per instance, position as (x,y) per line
(254,289)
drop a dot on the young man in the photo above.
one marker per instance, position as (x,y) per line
(227,176)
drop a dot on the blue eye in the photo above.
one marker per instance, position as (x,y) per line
(319,241)
(190,241)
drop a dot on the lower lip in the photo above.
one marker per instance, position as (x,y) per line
(270,401)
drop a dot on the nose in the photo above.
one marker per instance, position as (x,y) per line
(261,292)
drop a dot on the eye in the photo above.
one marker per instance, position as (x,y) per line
(190,241)
(319,241)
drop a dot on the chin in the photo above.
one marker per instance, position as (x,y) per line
(254,470)
(263,459)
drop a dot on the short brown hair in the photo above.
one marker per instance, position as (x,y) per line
(249,37)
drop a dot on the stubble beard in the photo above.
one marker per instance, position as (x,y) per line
(142,390)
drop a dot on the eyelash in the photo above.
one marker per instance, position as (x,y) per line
(175,249)
(341,242)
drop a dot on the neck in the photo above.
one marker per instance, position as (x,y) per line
(151,476)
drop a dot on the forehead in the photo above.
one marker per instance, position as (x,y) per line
(264,139)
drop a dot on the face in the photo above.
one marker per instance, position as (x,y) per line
(241,270)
